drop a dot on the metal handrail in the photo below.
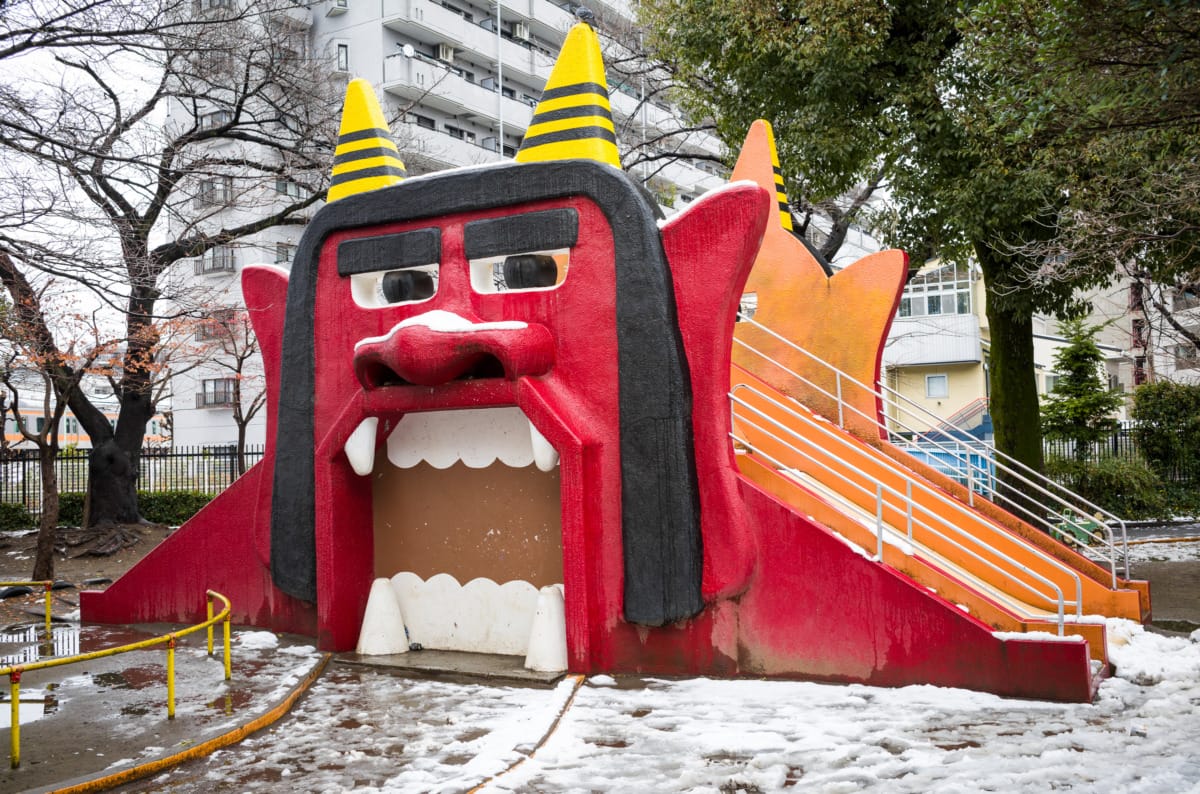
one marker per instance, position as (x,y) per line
(906,500)
(1039,482)
(14,672)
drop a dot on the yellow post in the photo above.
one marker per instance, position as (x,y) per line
(208,612)
(49,587)
(171,677)
(14,747)
(228,668)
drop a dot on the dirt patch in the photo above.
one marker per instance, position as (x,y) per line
(80,555)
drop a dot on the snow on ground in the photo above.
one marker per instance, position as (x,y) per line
(1164,552)
(367,731)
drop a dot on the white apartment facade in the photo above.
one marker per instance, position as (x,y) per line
(459,80)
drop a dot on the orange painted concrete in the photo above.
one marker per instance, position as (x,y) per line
(838,451)
(843,318)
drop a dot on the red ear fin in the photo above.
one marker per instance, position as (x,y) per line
(711,247)
(264,288)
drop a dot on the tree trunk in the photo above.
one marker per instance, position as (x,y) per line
(43,560)
(1013,392)
(112,486)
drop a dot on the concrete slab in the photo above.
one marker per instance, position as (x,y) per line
(455,665)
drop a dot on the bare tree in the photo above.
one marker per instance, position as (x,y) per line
(130,130)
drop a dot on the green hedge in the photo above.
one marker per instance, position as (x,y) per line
(14,517)
(1126,488)
(1167,429)
(161,507)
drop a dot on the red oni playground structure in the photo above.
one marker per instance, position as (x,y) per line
(518,416)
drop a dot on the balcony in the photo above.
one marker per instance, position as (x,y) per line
(441,86)
(296,17)
(933,339)
(218,400)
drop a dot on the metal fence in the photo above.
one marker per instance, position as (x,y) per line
(204,469)
(1121,444)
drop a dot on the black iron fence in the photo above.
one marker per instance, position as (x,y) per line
(204,469)
(1120,444)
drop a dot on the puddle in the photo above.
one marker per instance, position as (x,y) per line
(28,644)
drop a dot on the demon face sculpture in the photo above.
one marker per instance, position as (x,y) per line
(518,314)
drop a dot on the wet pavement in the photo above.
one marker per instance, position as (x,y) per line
(100,716)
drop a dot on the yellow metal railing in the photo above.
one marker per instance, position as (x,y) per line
(48,585)
(14,672)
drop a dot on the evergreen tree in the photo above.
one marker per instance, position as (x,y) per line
(1080,409)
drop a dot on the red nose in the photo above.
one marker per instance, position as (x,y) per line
(417,354)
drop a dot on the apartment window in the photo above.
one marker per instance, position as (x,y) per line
(1137,297)
(284,253)
(1138,336)
(944,290)
(214,119)
(1185,299)
(937,387)
(1187,355)
(289,188)
(219,259)
(212,5)
(1139,370)
(461,134)
(422,121)
(217,392)
(343,57)
(1052,382)
(216,325)
(215,191)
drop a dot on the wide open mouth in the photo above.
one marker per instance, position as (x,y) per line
(467,526)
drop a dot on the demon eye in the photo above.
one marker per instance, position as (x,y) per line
(391,268)
(535,270)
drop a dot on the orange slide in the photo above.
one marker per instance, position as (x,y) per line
(965,556)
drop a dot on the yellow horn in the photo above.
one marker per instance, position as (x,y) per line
(365,158)
(573,118)
(758,150)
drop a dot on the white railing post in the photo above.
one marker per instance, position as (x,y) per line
(879,521)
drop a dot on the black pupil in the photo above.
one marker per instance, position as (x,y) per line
(527,271)
(407,285)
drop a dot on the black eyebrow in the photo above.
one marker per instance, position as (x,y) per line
(533,231)
(389,251)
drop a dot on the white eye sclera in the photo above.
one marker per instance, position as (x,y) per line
(522,272)
(382,288)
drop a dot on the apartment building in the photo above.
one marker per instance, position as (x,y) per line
(459,79)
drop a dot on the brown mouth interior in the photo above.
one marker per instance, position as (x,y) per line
(499,522)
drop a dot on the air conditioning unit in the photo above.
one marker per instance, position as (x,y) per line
(445,53)
(337,8)
(521,31)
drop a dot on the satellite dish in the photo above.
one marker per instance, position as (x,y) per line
(408,50)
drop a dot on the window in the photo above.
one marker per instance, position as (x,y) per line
(937,387)
(1137,298)
(422,121)
(343,57)
(216,393)
(214,119)
(461,134)
(219,259)
(71,425)
(216,325)
(1185,299)
(215,191)
(1139,332)
(1139,370)
(1052,382)
(284,253)
(289,188)
(41,423)
(1187,355)
(944,290)
(212,5)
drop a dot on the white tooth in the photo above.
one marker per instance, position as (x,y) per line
(360,447)
(544,455)
(548,636)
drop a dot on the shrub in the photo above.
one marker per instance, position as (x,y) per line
(161,507)
(1167,429)
(1126,488)
(70,509)
(14,516)
(171,507)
